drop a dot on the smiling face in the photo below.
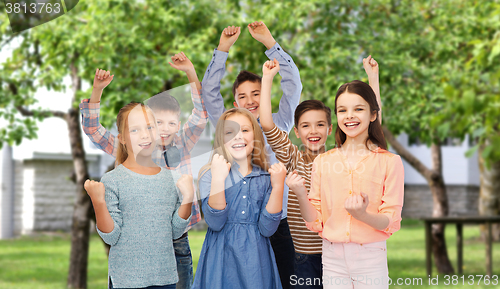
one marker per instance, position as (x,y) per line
(354,116)
(239,137)
(313,130)
(168,125)
(247,95)
(140,134)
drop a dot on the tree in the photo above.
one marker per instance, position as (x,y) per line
(420,45)
(474,97)
(131,38)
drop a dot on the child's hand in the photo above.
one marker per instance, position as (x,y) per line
(95,190)
(228,38)
(278,174)
(356,205)
(181,62)
(297,184)
(185,185)
(270,68)
(102,79)
(261,33)
(220,167)
(371,66)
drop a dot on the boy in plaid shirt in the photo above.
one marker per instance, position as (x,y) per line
(176,148)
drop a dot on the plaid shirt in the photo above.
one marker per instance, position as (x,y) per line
(191,132)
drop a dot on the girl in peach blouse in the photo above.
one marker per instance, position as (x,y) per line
(356,194)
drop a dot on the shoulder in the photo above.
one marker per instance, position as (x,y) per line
(386,154)
(114,174)
(391,159)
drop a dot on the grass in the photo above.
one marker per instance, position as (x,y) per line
(42,261)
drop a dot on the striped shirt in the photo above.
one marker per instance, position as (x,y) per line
(304,240)
(185,141)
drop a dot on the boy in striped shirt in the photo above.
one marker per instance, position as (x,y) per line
(313,124)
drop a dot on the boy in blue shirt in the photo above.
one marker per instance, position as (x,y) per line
(246,91)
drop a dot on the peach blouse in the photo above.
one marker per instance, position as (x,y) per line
(379,174)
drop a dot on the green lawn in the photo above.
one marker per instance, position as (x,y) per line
(42,262)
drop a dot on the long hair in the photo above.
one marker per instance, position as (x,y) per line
(375,133)
(259,156)
(122,124)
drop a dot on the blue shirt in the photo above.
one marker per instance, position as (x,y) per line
(290,84)
(237,252)
(144,209)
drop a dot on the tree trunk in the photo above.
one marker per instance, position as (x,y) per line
(80,232)
(440,209)
(489,192)
(435,180)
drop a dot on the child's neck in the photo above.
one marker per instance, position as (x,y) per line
(315,153)
(141,165)
(245,166)
(356,150)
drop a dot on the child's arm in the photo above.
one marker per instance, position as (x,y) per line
(212,187)
(185,185)
(278,174)
(215,71)
(356,206)
(99,135)
(270,216)
(371,68)
(269,70)
(297,184)
(182,63)
(107,212)
(182,213)
(388,217)
(291,84)
(194,126)
(276,138)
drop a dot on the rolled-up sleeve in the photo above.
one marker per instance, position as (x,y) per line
(393,194)
(268,223)
(112,200)
(215,219)
(315,198)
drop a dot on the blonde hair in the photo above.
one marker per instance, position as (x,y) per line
(259,156)
(122,124)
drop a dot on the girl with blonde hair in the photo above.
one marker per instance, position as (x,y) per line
(242,204)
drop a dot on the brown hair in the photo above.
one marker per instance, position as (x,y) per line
(375,133)
(122,125)
(312,104)
(245,76)
(163,101)
(259,156)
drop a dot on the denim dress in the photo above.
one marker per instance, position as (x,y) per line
(237,252)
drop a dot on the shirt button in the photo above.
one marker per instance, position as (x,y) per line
(350,192)
(278,48)
(244,197)
(347,233)
(243,212)
(244,182)
(348,214)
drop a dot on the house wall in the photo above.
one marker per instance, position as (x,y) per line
(462,200)
(44,195)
